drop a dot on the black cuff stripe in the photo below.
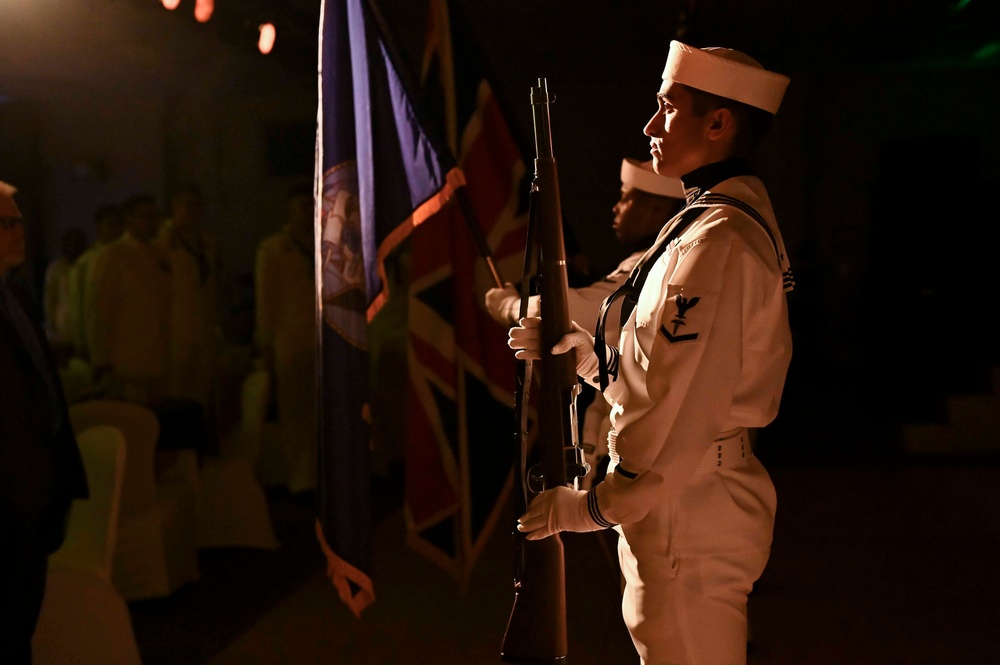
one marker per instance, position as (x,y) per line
(613,363)
(788,280)
(625,472)
(595,511)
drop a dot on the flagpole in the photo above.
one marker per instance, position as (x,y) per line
(478,237)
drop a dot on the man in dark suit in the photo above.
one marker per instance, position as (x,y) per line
(40,467)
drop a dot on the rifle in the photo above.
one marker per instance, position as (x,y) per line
(536,630)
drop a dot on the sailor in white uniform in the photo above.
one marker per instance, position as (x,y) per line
(648,201)
(701,360)
(127,309)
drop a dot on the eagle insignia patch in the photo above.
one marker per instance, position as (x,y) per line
(679,320)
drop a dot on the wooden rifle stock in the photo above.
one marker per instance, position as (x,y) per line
(536,631)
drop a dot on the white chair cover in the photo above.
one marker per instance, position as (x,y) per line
(84,621)
(141,430)
(232,507)
(92,530)
(156,550)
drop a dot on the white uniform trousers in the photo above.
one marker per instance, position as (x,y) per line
(687,605)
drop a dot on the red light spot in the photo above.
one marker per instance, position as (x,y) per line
(203,10)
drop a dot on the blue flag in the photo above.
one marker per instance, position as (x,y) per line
(380,176)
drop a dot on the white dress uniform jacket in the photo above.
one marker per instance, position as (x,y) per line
(584,304)
(702,357)
(704,353)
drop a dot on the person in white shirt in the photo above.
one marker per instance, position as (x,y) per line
(127,309)
(285,336)
(109,224)
(702,358)
(57,293)
(648,201)
(193,254)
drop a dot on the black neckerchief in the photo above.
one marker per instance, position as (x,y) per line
(706,177)
(696,184)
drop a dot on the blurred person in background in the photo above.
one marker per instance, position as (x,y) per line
(128,307)
(109,224)
(285,334)
(57,291)
(193,254)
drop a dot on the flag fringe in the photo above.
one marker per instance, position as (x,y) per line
(342,574)
(453,180)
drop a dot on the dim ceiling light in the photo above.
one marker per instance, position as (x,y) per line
(171,4)
(266,41)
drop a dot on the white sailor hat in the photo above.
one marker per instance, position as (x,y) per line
(7,206)
(727,73)
(640,175)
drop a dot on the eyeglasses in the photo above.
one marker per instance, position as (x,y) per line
(8,223)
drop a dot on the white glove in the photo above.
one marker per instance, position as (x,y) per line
(560,509)
(526,340)
(503,304)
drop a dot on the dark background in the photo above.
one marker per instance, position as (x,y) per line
(880,163)
(886,136)
(881,166)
